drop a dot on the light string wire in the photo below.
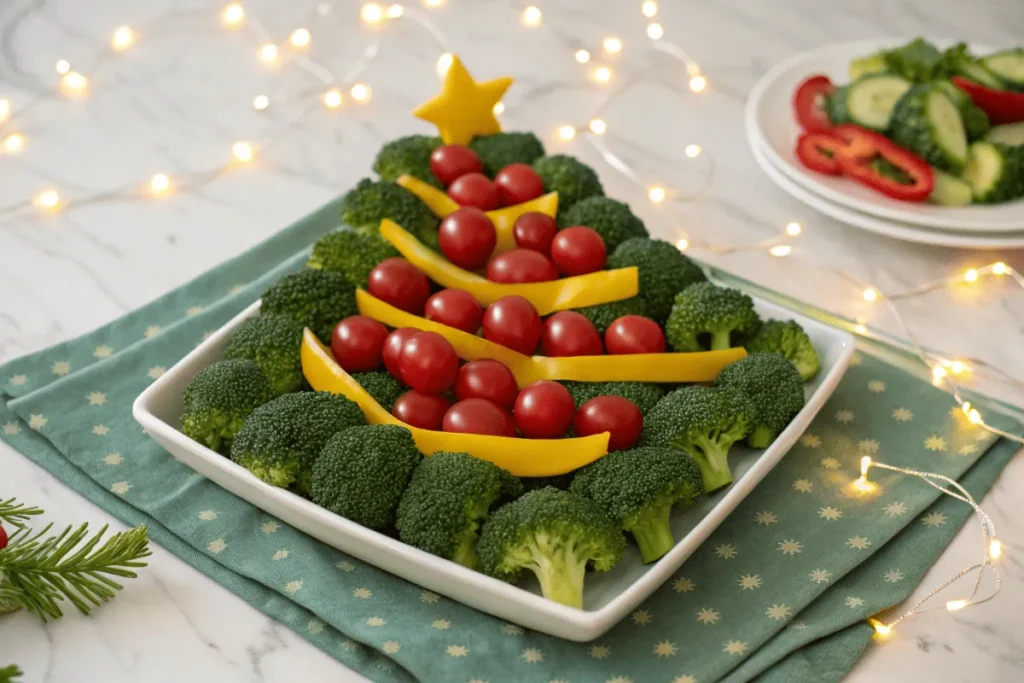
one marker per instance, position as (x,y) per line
(234,16)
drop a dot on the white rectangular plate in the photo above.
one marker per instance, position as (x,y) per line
(609,596)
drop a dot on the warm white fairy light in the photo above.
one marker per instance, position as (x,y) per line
(567,132)
(938,372)
(62,66)
(880,628)
(159,183)
(793,229)
(971,275)
(371,13)
(692,151)
(870,295)
(268,52)
(233,14)
(656,194)
(531,16)
(780,250)
(698,83)
(655,31)
(123,38)
(682,244)
(498,108)
(5,109)
(954,605)
(333,98)
(47,200)
(957,366)
(395,11)
(649,8)
(444,62)
(597,126)
(582,56)
(14,143)
(602,74)
(433,3)
(999,268)
(612,45)
(300,37)
(243,151)
(74,83)
(361,92)
(260,102)
(995,549)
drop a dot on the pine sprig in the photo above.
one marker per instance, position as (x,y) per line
(37,573)
(15,514)
(9,673)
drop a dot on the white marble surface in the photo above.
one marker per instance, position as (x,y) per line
(177,101)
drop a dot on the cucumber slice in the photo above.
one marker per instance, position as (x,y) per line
(1007,65)
(974,71)
(950,191)
(976,123)
(1011,134)
(871,64)
(870,101)
(926,122)
(995,172)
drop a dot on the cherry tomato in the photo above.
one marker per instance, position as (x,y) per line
(475,189)
(357,343)
(521,265)
(477,416)
(425,411)
(489,380)
(535,230)
(448,162)
(568,333)
(512,321)
(393,349)
(578,251)
(634,334)
(544,410)
(613,414)
(467,237)
(455,308)
(518,183)
(397,282)
(428,363)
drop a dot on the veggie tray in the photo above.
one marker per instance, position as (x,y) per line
(491,381)
(901,130)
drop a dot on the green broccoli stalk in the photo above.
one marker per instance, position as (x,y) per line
(553,534)
(271,341)
(350,252)
(281,440)
(384,388)
(362,472)
(409,155)
(611,219)
(639,488)
(314,298)
(644,395)
(774,388)
(570,178)
(503,149)
(705,422)
(705,316)
(220,398)
(603,315)
(664,271)
(448,499)
(787,339)
(371,201)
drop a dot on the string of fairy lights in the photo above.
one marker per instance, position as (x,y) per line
(335,92)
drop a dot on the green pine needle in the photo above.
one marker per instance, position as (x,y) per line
(9,673)
(15,514)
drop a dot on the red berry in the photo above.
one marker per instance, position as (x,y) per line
(455,308)
(357,343)
(535,230)
(578,251)
(425,411)
(568,333)
(467,237)
(428,363)
(448,162)
(521,265)
(3,538)
(475,189)
(518,183)
(477,416)
(489,380)
(393,349)
(512,321)
(397,282)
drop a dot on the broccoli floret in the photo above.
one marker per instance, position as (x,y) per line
(448,499)
(705,316)
(788,339)
(610,218)
(314,298)
(554,534)
(774,388)
(384,388)
(569,177)
(371,201)
(638,488)
(503,149)
(603,315)
(407,156)
(350,252)
(282,439)
(705,422)
(664,271)
(220,398)
(362,472)
(271,341)
(644,395)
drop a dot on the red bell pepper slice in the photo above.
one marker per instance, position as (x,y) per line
(817,151)
(809,103)
(1002,106)
(857,159)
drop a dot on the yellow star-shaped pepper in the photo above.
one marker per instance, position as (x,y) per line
(464,108)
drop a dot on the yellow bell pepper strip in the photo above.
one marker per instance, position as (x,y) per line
(700,366)
(521,457)
(547,297)
(504,219)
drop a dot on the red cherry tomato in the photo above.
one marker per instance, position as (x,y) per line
(448,162)
(613,414)
(518,183)
(634,334)
(578,251)
(535,230)
(544,410)
(489,380)
(512,321)
(425,411)
(568,333)
(521,265)
(477,416)
(393,349)
(357,343)
(3,538)
(467,237)
(428,363)
(397,282)
(455,308)
(475,189)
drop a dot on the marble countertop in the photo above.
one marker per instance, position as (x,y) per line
(181,96)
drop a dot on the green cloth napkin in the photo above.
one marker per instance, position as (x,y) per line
(779,592)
